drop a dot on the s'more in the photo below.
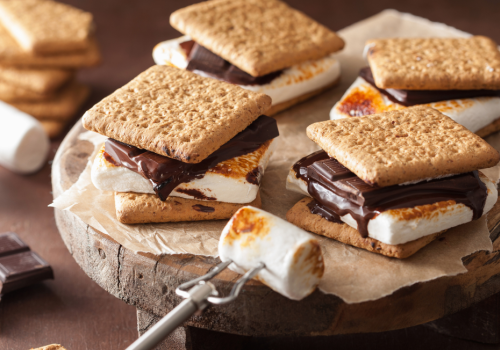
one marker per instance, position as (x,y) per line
(261,45)
(181,147)
(460,77)
(392,182)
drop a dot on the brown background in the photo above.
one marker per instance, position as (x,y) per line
(72,309)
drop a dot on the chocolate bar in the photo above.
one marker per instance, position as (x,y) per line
(19,266)
(417,97)
(166,173)
(201,59)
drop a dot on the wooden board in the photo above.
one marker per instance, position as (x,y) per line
(148,282)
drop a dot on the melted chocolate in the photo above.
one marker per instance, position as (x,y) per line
(203,208)
(196,194)
(166,173)
(254,176)
(324,212)
(201,59)
(417,97)
(338,192)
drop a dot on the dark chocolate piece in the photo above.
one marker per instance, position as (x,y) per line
(10,243)
(324,212)
(300,167)
(187,46)
(166,173)
(337,191)
(203,208)
(196,194)
(20,267)
(201,59)
(417,97)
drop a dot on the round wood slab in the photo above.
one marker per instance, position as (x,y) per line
(148,282)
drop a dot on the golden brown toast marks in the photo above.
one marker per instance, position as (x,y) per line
(301,216)
(176,113)
(45,26)
(400,146)
(38,80)
(60,108)
(435,63)
(140,208)
(11,54)
(258,36)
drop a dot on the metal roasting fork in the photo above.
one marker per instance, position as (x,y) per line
(201,294)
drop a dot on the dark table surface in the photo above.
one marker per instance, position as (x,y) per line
(74,311)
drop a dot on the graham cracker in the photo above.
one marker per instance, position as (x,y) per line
(60,108)
(38,80)
(301,216)
(12,93)
(53,128)
(405,145)
(275,109)
(257,36)
(435,63)
(46,26)
(11,54)
(176,113)
(51,347)
(141,208)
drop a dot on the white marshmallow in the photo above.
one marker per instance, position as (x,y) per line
(226,182)
(293,82)
(473,113)
(293,258)
(24,145)
(397,226)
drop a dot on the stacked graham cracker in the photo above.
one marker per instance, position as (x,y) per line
(42,44)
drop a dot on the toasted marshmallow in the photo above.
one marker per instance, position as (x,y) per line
(293,258)
(227,182)
(398,226)
(293,82)
(362,99)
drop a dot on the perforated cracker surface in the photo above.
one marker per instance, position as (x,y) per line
(405,145)
(45,26)
(176,113)
(258,36)
(435,63)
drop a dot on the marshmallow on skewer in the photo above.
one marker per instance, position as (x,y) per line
(293,258)
(24,145)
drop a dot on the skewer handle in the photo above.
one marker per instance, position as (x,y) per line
(197,301)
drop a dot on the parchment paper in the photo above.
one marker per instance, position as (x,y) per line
(352,274)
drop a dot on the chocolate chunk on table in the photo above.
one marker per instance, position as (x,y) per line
(19,266)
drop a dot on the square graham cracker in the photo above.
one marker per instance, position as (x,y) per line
(176,113)
(46,26)
(141,208)
(301,216)
(257,36)
(435,63)
(62,107)
(37,80)
(405,145)
(11,54)
(13,93)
